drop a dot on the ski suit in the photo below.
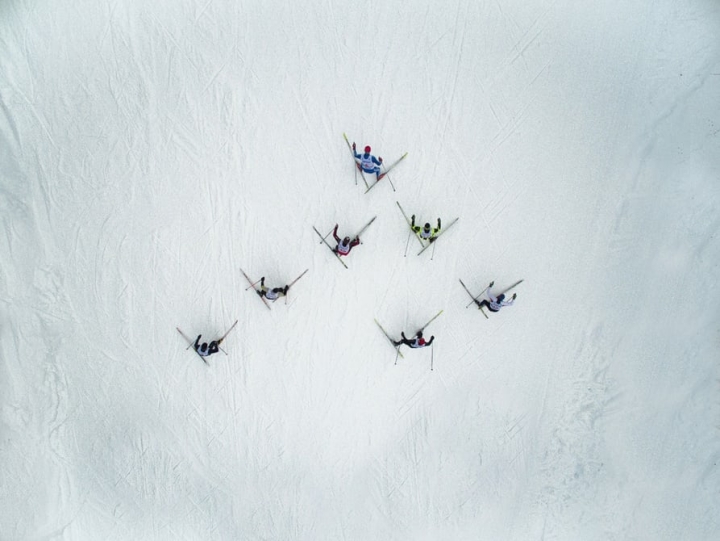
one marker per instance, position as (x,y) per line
(274,293)
(495,303)
(417,342)
(344,249)
(204,349)
(271,294)
(427,234)
(367,162)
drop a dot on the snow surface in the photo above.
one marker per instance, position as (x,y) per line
(149,150)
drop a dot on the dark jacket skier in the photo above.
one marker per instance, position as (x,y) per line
(417,342)
(205,350)
(271,294)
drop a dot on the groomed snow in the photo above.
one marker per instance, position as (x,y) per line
(149,150)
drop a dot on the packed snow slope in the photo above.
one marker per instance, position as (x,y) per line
(150,150)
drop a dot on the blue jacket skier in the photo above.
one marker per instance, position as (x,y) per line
(367,162)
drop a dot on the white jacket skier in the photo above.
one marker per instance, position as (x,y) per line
(494,303)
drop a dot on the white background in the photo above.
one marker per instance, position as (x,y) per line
(149,150)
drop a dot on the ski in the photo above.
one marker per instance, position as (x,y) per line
(392,166)
(397,348)
(192,343)
(227,332)
(255,290)
(439,234)
(417,235)
(357,166)
(387,170)
(365,227)
(428,323)
(295,280)
(511,287)
(474,297)
(330,247)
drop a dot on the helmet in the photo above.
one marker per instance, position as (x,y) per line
(427,227)
(204,346)
(367,149)
(501,297)
(346,240)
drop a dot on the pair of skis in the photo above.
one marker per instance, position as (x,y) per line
(425,244)
(421,329)
(382,175)
(323,240)
(476,297)
(253,284)
(191,342)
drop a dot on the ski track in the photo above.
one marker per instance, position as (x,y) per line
(152,153)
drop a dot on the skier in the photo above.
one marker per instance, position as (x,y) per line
(345,245)
(495,303)
(271,294)
(428,233)
(367,162)
(205,350)
(417,342)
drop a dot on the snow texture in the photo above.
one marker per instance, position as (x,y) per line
(149,150)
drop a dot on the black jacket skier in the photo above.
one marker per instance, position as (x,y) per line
(417,342)
(205,350)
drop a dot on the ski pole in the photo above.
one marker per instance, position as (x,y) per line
(253,285)
(476,298)
(432,355)
(397,354)
(407,243)
(389,179)
(325,237)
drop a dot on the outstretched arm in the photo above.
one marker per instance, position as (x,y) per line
(335,235)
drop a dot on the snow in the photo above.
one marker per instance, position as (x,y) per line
(151,150)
